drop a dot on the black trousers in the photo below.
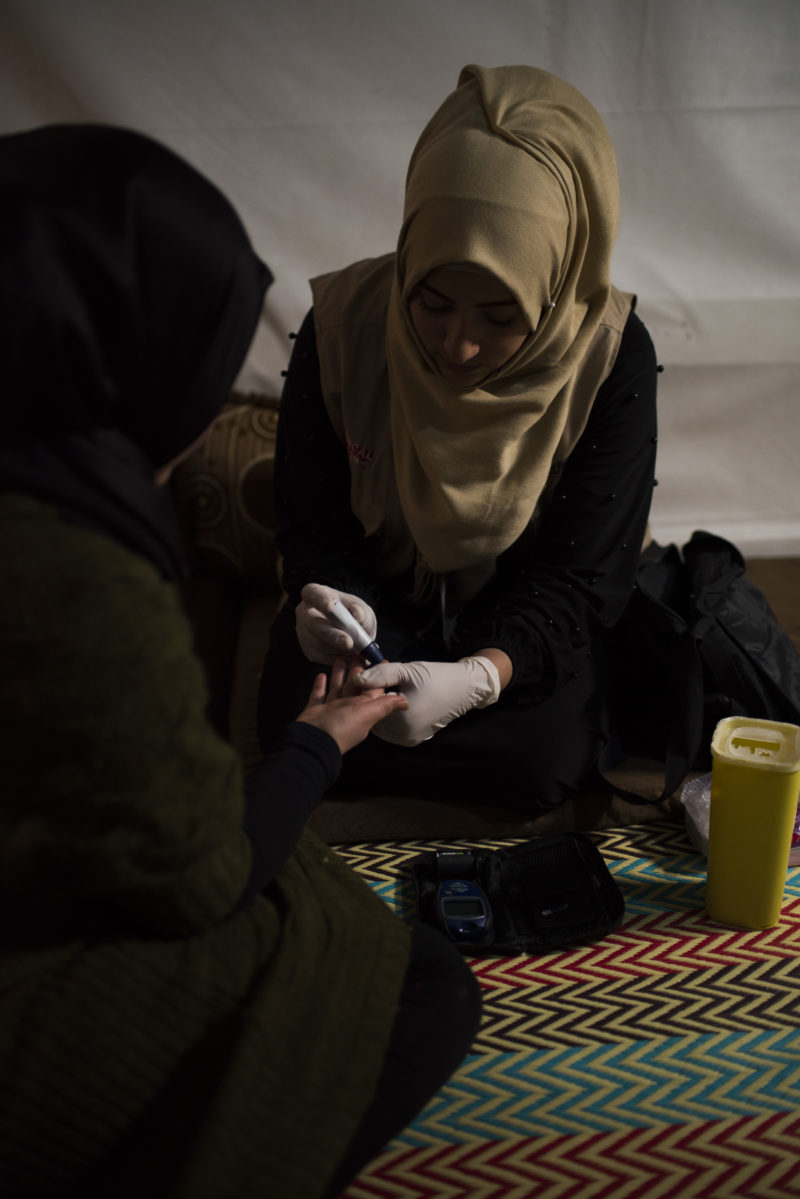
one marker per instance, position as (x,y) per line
(438,1017)
(509,754)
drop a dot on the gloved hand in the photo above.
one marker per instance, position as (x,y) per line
(437,693)
(323,642)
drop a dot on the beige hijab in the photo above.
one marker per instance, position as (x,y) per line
(515,174)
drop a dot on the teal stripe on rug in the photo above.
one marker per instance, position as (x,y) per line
(611,1087)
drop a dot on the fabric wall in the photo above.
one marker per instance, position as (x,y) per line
(305,112)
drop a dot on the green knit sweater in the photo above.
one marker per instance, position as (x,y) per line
(154,1038)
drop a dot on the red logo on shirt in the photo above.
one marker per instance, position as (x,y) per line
(358,453)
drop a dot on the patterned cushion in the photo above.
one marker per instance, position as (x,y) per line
(224,493)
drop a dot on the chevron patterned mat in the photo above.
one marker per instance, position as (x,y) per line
(663,1061)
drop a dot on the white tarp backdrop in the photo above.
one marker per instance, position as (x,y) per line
(305,113)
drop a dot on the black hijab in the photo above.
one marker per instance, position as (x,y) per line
(129,295)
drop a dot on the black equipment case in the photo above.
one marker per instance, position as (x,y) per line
(543,895)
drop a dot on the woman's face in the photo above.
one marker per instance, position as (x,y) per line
(468,321)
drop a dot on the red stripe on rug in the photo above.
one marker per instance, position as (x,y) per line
(660,943)
(744,1157)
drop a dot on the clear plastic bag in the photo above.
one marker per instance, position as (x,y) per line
(695,795)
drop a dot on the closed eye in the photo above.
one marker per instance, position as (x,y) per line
(426,307)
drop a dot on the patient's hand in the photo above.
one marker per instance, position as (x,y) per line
(344,710)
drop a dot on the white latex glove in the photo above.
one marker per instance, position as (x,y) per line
(437,693)
(323,642)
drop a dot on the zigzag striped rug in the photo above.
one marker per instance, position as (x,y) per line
(662,1061)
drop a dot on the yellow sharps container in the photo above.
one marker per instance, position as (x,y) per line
(755,778)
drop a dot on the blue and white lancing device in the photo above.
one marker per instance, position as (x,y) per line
(463,909)
(338,615)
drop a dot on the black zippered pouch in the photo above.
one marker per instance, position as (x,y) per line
(545,894)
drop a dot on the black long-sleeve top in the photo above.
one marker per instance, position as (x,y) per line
(281,793)
(564,581)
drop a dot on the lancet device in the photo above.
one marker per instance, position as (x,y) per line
(340,616)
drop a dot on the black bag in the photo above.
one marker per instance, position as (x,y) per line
(698,642)
(543,895)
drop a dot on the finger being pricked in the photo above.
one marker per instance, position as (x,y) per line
(338,678)
(351,686)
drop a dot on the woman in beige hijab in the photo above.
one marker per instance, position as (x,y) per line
(466,453)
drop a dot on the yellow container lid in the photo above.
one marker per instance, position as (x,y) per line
(762,744)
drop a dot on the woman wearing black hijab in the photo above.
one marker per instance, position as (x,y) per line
(198,998)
